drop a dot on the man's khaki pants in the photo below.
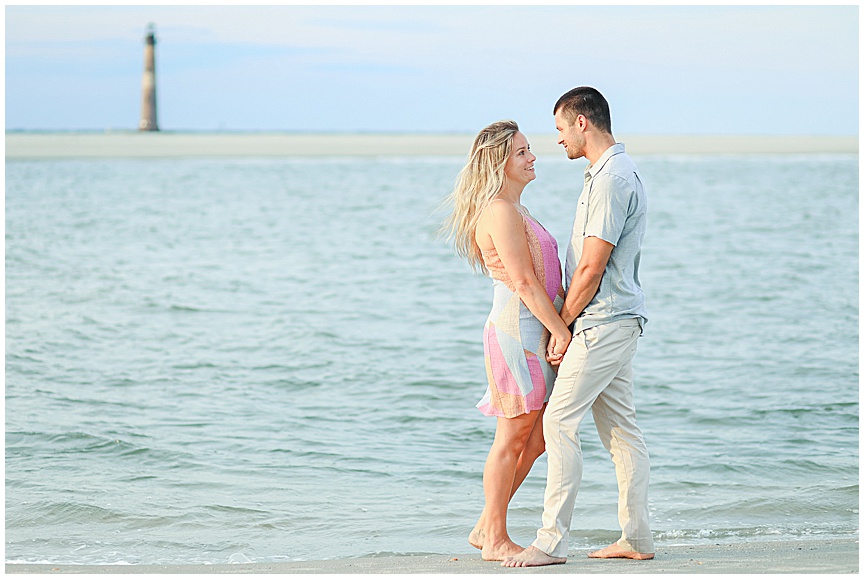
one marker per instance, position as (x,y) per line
(596,373)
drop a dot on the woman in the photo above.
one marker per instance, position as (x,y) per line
(494,232)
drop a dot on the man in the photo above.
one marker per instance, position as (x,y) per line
(606,306)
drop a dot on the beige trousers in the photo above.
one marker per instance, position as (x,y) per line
(596,373)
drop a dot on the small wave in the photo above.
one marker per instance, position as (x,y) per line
(234,510)
(195,366)
(749,533)
(179,308)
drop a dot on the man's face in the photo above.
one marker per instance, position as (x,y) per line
(570,136)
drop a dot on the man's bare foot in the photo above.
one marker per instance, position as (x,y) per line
(532,557)
(499,551)
(615,551)
(475,538)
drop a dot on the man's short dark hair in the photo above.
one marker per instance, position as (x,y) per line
(588,102)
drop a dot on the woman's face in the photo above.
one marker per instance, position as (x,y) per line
(520,165)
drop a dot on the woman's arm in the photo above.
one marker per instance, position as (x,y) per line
(504,226)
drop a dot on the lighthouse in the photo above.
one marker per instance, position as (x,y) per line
(148,84)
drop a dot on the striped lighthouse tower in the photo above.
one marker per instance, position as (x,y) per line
(148,84)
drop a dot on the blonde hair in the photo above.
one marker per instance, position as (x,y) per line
(479,181)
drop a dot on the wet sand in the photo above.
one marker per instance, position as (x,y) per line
(806,556)
(132,144)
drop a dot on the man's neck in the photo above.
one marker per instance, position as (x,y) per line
(595,147)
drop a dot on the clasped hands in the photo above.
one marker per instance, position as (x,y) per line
(556,348)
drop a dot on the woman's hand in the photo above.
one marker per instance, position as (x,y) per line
(557,347)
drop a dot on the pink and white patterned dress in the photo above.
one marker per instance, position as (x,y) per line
(514,341)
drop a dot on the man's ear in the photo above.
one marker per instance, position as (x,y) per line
(581,122)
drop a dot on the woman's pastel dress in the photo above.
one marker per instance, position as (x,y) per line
(514,341)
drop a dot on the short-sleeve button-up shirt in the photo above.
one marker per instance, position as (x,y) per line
(613,207)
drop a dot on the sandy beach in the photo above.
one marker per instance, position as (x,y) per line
(809,556)
(169,144)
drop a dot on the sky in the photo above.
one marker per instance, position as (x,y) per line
(672,69)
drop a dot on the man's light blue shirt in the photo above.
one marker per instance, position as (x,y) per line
(613,207)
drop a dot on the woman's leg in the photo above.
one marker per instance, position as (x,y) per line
(534,448)
(499,478)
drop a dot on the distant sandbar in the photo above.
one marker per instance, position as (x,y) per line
(131,144)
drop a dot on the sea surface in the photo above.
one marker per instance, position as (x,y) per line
(229,360)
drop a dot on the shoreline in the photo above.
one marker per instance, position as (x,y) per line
(131,144)
(803,556)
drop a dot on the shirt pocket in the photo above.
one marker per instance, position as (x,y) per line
(582,214)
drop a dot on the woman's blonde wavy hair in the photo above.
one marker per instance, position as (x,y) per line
(479,181)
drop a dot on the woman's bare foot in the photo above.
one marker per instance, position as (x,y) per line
(615,551)
(499,551)
(475,538)
(532,557)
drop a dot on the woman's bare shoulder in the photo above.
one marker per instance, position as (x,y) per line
(499,209)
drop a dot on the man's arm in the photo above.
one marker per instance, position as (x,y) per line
(583,286)
(586,278)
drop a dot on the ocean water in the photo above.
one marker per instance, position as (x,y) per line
(215,360)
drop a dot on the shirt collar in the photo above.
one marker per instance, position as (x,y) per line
(593,169)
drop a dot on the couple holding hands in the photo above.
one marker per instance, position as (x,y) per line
(552,356)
